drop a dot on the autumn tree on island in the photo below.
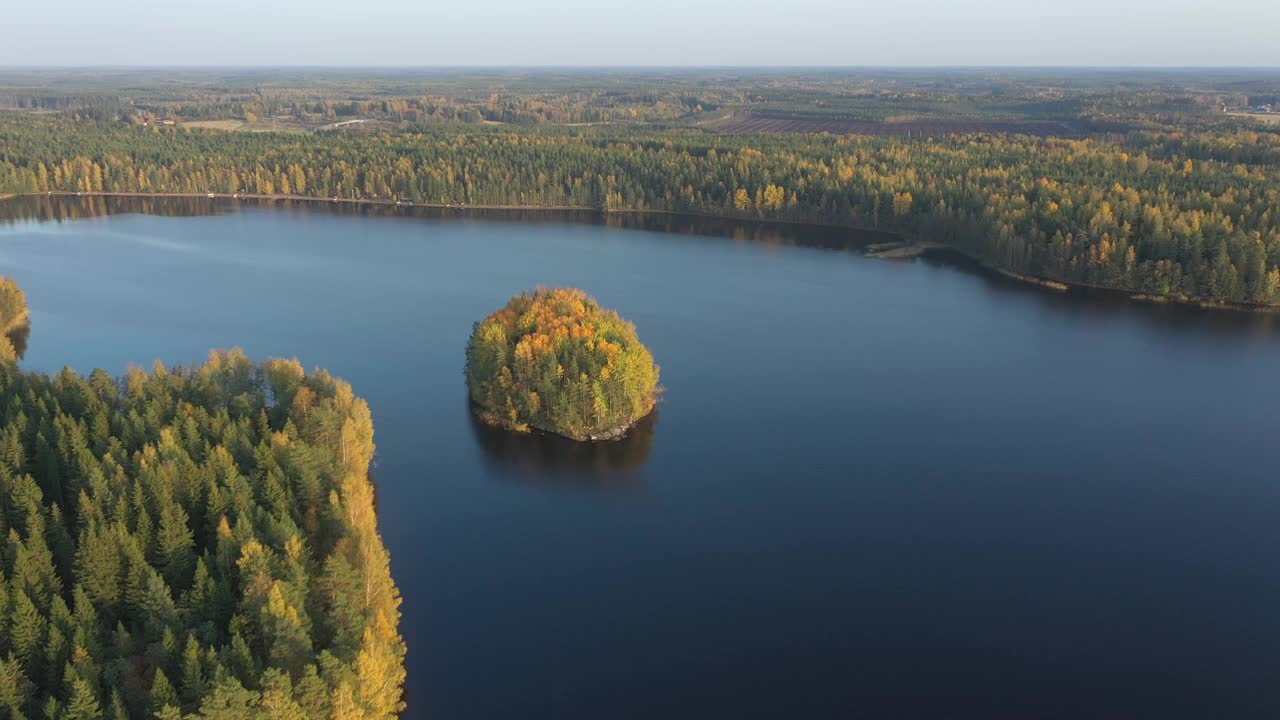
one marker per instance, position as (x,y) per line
(556,361)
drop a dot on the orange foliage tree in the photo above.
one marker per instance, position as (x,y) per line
(556,361)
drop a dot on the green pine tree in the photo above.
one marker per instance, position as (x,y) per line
(82,705)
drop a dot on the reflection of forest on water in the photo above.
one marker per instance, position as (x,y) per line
(1103,305)
(62,208)
(1098,304)
(66,208)
(825,237)
(544,458)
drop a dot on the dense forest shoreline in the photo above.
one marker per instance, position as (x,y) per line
(923,246)
(193,542)
(1067,286)
(1154,212)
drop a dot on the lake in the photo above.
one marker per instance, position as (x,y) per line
(872,488)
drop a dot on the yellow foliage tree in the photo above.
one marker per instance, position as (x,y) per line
(555,360)
(774,197)
(902,203)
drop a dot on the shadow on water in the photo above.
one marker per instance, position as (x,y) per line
(540,458)
(61,208)
(1100,305)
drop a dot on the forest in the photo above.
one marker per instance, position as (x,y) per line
(192,543)
(1187,214)
(201,543)
(555,360)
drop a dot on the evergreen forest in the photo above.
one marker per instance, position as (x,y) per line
(191,543)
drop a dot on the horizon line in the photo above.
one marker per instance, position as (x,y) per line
(572,66)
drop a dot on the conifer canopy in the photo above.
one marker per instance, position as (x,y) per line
(192,543)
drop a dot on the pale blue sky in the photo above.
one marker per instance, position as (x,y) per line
(641,32)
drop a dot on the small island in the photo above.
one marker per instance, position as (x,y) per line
(554,360)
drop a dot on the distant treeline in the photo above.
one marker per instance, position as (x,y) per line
(101,108)
(518,110)
(1175,213)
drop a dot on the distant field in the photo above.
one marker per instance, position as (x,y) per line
(1273,118)
(216,124)
(289,125)
(910,128)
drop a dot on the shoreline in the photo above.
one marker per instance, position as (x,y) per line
(611,434)
(1042,282)
(1137,296)
(907,248)
(307,199)
(901,250)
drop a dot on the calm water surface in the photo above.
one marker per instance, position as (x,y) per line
(873,489)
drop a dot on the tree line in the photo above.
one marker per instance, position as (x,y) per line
(192,543)
(1171,213)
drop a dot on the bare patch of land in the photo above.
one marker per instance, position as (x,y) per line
(216,124)
(746,123)
(1270,118)
(354,123)
(903,250)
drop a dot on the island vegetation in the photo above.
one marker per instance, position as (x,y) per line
(554,360)
(192,543)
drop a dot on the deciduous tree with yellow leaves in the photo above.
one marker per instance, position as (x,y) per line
(555,360)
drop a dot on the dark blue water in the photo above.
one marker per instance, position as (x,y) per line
(872,489)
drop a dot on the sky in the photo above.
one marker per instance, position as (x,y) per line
(642,32)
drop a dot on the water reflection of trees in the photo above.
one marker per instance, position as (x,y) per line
(64,209)
(543,458)
(1092,303)
(768,233)
(1098,304)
